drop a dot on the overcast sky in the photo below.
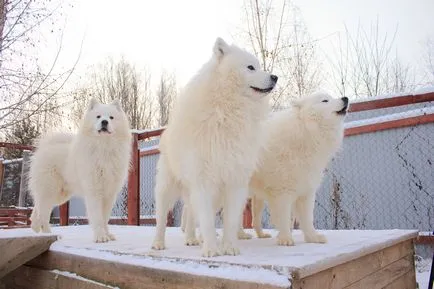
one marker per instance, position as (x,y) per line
(178,35)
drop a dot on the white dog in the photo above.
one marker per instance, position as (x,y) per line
(92,164)
(209,149)
(300,143)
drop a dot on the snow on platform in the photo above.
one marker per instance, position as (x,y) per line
(261,260)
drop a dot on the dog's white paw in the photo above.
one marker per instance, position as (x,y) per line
(158,245)
(285,241)
(101,238)
(208,251)
(38,226)
(230,249)
(262,235)
(243,235)
(111,236)
(315,238)
(192,241)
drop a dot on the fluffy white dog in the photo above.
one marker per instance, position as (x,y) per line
(209,149)
(92,164)
(300,143)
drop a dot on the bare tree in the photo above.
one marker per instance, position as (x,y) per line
(429,60)
(166,93)
(119,80)
(26,88)
(366,64)
(278,37)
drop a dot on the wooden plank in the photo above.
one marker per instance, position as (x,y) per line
(406,281)
(391,102)
(19,250)
(16,146)
(386,275)
(24,190)
(133,276)
(2,169)
(26,277)
(149,152)
(353,271)
(64,214)
(151,133)
(133,198)
(404,122)
(426,240)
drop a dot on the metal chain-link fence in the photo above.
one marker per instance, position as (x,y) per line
(378,180)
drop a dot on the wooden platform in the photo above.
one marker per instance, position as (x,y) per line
(351,259)
(18,249)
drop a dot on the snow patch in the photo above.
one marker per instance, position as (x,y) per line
(390,117)
(424,90)
(225,271)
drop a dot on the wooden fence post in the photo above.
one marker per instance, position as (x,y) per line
(64,214)
(25,168)
(247,215)
(2,169)
(133,202)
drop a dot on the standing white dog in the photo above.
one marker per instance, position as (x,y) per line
(209,149)
(92,164)
(300,143)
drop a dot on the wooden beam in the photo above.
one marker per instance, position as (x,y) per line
(25,167)
(247,215)
(426,240)
(399,123)
(150,133)
(149,152)
(2,170)
(16,146)
(19,250)
(391,102)
(406,281)
(133,276)
(387,275)
(356,270)
(64,214)
(26,277)
(133,198)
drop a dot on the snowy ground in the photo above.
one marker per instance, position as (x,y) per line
(260,260)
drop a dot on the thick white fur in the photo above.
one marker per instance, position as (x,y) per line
(300,143)
(209,149)
(92,164)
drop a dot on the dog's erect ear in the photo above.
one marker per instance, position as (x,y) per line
(220,48)
(93,102)
(117,103)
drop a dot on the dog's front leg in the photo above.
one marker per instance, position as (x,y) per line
(201,198)
(234,202)
(282,205)
(96,215)
(305,207)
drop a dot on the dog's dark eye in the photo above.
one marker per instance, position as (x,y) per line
(111,117)
(325,100)
(250,67)
(98,116)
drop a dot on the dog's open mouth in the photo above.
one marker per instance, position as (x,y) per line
(104,130)
(262,90)
(343,111)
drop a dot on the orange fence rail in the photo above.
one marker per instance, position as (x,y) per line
(13,217)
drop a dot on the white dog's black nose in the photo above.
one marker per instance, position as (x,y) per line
(274,78)
(104,123)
